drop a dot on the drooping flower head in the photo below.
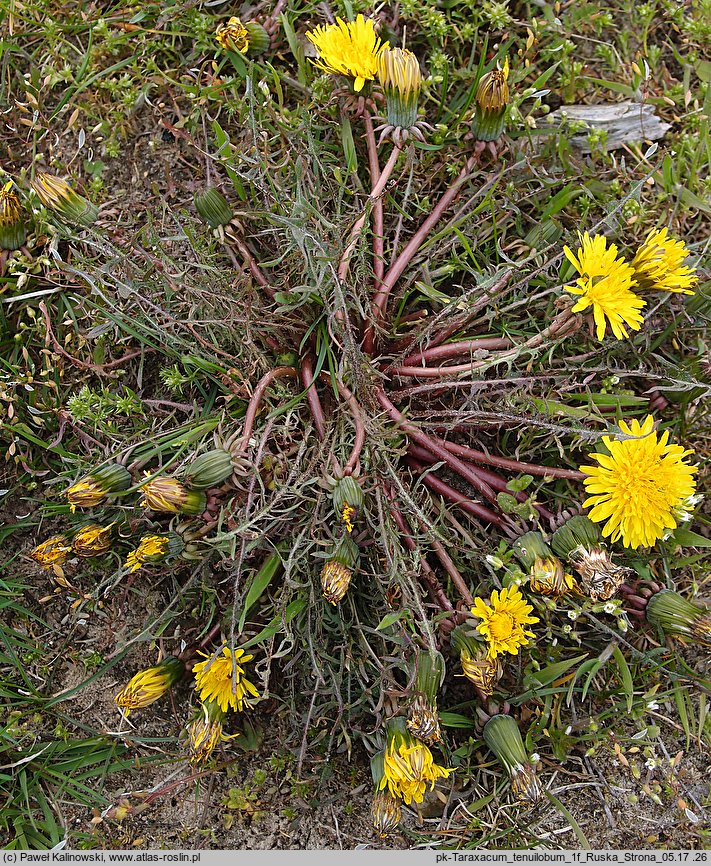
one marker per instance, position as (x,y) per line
(503,622)
(99,484)
(162,493)
(638,485)
(605,284)
(56,195)
(546,574)
(348,48)
(408,764)
(205,732)
(149,685)
(12,225)
(337,571)
(52,552)
(659,265)
(678,616)
(153,548)
(92,540)
(578,540)
(385,809)
(221,678)
(233,36)
(502,736)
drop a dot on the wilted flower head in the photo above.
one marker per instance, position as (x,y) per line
(337,571)
(52,552)
(637,487)
(503,622)
(56,195)
(408,764)
(92,540)
(233,36)
(478,666)
(95,487)
(221,678)
(423,719)
(12,224)
(148,685)
(152,548)
(492,94)
(162,493)
(348,48)
(659,265)
(605,284)
(578,539)
(205,732)
(548,577)
(385,812)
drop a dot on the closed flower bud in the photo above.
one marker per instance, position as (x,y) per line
(401,79)
(56,195)
(53,552)
(213,207)
(675,615)
(502,736)
(92,540)
(385,809)
(210,469)
(95,487)
(257,37)
(346,491)
(423,719)
(492,97)
(12,224)
(152,549)
(149,685)
(167,494)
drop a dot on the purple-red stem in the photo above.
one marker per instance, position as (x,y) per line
(510,463)
(380,300)
(256,400)
(307,379)
(455,350)
(378,223)
(347,395)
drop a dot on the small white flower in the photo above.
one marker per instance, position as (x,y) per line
(566,629)
(610,607)
(650,763)
(535,758)
(652,705)
(494,561)
(572,614)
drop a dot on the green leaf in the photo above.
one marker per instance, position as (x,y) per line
(260,582)
(626,676)
(389,619)
(551,672)
(520,483)
(277,623)
(687,538)
(456,720)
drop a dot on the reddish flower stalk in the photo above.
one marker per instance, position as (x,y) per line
(347,395)
(378,227)
(455,464)
(509,463)
(375,194)
(450,568)
(439,596)
(251,263)
(455,350)
(307,378)
(380,300)
(256,400)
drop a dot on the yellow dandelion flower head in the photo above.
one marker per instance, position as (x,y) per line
(220,678)
(349,48)
(164,494)
(52,552)
(150,548)
(483,672)
(233,36)
(605,284)
(638,485)
(659,264)
(492,94)
(148,685)
(409,767)
(92,540)
(10,207)
(503,622)
(86,493)
(399,70)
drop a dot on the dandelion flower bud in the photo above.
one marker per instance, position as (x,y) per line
(92,540)
(209,469)
(152,549)
(149,685)
(213,208)
(337,571)
(492,97)
(205,732)
(233,36)
(401,79)
(99,484)
(546,574)
(502,736)
(675,615)
(163,493)
(385,809)
(12,224)
(408,764)
(478,666)
(56,195)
